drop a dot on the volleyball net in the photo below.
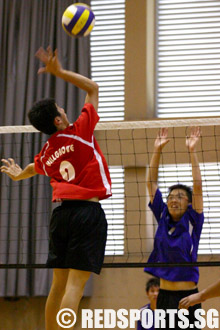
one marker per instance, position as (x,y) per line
(25,206)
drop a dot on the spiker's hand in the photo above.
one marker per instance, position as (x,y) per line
(50,59)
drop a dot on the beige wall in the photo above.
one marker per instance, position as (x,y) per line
(116,288)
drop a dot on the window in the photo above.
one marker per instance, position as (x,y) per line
(107,57)
(188,53)
(188,85)
(114,210)
(107,69)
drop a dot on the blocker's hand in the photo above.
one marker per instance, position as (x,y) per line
(162,139)
(193,140)
(50,59)
(10,168)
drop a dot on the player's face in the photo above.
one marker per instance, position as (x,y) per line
(63,116)
(177,203)
(152,294)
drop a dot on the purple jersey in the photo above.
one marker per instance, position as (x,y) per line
(175,242)
(144,314)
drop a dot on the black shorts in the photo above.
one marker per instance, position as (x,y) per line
(78,232)
(168,299)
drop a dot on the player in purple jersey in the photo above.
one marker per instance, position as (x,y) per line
(180,223)
(152,290)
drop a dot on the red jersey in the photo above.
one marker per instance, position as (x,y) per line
(74,161)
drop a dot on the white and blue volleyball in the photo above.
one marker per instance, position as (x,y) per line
(78,20)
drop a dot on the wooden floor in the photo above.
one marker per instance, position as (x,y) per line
(23,314)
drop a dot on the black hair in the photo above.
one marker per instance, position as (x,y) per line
(152,282)
(42,115)
(187,189)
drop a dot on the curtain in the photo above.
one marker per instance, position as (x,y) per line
(26,205)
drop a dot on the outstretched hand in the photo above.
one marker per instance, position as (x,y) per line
(50,59)
(191,300)
(162,139)
(10,168)
(193,139)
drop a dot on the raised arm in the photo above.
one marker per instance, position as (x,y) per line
(152,175)
(15,172)
(211,292)
(53,66)
(191,142)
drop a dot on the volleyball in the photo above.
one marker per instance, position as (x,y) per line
(78,20)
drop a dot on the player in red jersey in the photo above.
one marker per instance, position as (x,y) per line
(80,178)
